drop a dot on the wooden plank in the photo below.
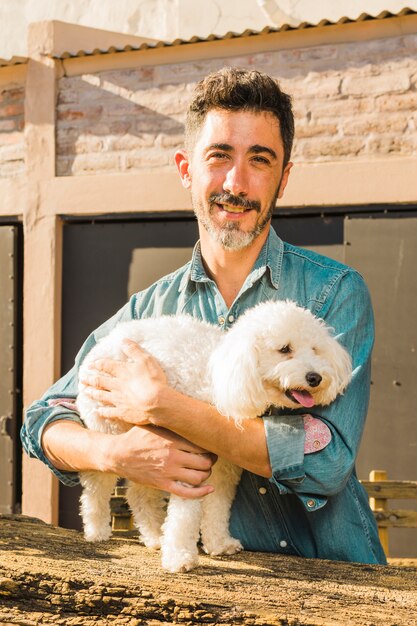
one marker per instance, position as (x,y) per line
(391,489)
(379,504)
(396,518)
(52,576)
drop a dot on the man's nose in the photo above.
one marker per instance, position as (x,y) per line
(236,182)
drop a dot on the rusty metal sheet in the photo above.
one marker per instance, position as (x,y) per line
(8,237)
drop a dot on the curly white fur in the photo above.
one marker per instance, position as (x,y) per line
(276,354)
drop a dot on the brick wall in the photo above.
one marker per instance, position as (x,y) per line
(352,101)
(12,145)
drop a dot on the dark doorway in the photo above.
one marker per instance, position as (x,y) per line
(106,261)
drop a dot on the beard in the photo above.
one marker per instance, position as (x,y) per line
(229,235)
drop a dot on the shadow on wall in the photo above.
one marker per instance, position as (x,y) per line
(118,121)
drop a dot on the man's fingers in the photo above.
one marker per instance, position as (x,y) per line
(98,381)
(190,493)
(108,412)
(192,477)
(201,462)
(99,394)
(108,366)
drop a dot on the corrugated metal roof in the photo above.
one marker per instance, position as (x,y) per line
(233,35)
(13,61)
(17,60)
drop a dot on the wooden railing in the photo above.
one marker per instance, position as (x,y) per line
(380,491)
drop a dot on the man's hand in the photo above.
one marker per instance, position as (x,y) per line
(147,454)
(128,389)
(159,458)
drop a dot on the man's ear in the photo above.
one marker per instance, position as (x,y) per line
(284,179)
(183,162)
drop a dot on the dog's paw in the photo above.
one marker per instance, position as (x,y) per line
(97,534)
(152,543)
(227,545)
(180,562)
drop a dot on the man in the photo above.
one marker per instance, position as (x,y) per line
(299,493)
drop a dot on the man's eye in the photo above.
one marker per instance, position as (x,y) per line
(218,155)
(285,350)
(260,159)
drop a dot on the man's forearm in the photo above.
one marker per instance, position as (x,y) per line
(148,455)
(205,426)
(72,448)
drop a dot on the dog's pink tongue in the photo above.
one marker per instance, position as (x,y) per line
(303,397)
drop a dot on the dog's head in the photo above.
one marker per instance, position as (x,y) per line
(277,354)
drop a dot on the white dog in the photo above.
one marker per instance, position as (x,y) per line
(276,354)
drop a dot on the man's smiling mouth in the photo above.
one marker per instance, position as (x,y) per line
(232,209)
(233,204)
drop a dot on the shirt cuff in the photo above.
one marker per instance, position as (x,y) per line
(318,434)
(285,438)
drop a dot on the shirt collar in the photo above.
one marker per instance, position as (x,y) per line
(270,257)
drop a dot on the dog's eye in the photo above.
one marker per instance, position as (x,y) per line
(285,350)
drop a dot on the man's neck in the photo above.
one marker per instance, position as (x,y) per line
(229,268)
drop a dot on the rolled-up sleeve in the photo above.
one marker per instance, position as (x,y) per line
(43,412)
(316,476)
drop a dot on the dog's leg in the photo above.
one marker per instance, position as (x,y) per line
(181,532)
(149,508)
(95,504)
(215,533)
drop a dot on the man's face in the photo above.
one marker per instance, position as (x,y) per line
(235,175)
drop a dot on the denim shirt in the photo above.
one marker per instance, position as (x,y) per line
(313,505)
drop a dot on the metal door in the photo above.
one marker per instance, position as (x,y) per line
(8,358)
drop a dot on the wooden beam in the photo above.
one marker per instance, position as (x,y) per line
(154,190)
(42,277)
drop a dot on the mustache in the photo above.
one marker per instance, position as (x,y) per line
(228,198)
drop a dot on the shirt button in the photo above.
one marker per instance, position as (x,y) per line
(316,444)
(231,318)
(262,491)
(311,503)
(283,544)
(221,320)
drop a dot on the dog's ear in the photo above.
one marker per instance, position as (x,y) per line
(238,391)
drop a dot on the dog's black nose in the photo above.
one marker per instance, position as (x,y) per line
(313,379)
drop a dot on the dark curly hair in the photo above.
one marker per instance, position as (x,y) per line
(235,89)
